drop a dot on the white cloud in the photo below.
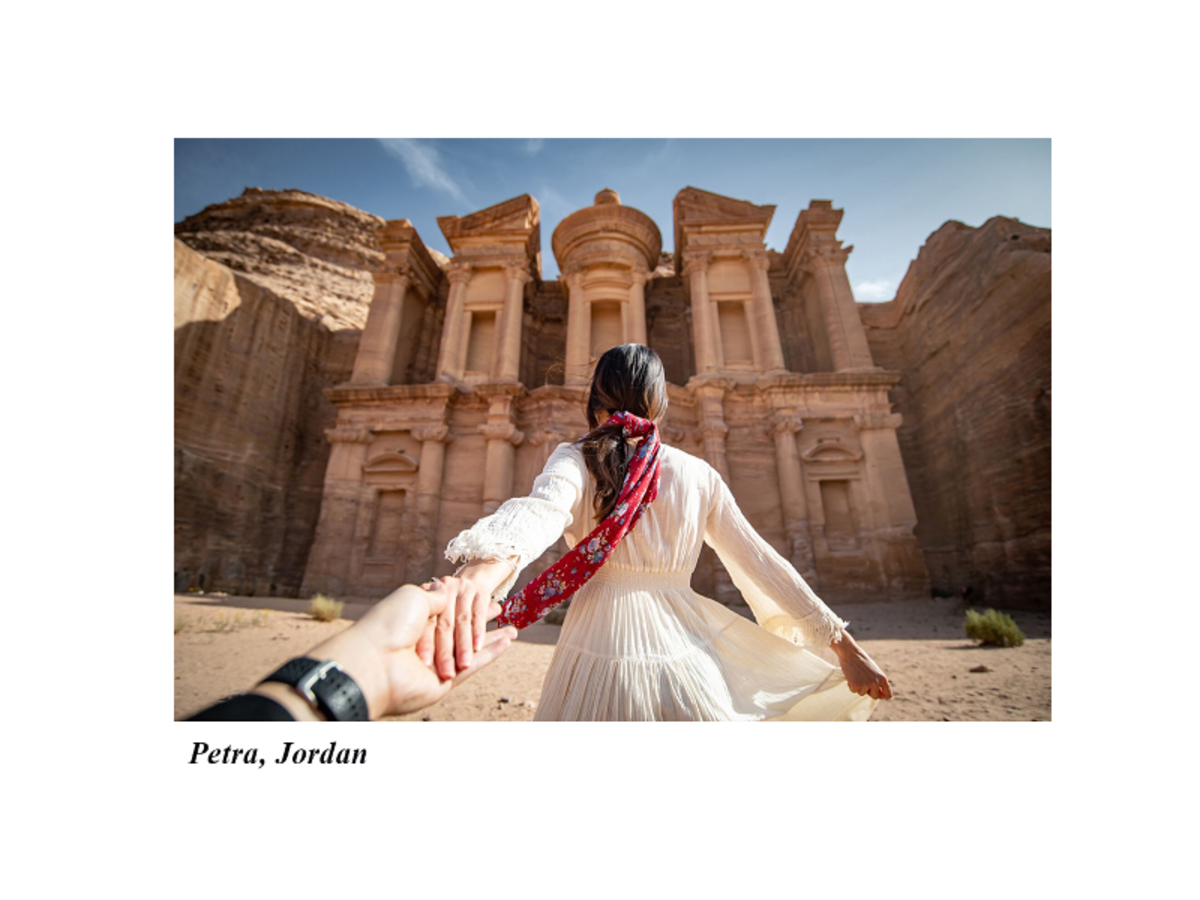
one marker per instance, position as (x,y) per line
(533,146)
(424,165)
(875,291)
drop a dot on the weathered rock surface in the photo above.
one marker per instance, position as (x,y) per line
(250,452)
(314,252)
(969,330)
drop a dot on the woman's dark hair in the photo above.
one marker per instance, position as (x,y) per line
(628,378)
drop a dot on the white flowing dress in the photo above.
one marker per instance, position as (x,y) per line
(637,642)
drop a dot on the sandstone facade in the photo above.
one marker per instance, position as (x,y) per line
(347,400)
(469,373)
(969,331)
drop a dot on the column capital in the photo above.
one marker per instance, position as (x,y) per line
(502,431)
(696,261)
(785,421)
(439,433)
(820,255)
(571,276)
(672,433)
(550,435)
(757,259)
(711,387)
(875,418)
(517,271)
(348,434)
(459,272)
(397,274)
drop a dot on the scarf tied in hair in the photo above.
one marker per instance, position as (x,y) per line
(574,570)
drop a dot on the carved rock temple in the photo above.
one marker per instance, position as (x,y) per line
(470,370)
(346,400)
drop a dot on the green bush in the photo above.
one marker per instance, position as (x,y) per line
(994,628)
(325,609)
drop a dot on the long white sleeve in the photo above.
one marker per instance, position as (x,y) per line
(782,602)
(524,527)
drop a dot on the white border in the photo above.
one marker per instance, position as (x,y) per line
(1122,574)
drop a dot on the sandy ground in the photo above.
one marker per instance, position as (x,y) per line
(225,644)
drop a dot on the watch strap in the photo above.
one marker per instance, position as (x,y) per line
(326,686)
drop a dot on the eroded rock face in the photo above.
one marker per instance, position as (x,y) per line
(314,252)
(969,330)
(271,294)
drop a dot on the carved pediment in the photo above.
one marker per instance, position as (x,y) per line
(698,211)
(831,451)
(693,205)
(520,215)
(393,462)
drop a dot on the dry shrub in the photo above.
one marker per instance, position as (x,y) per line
(325,609)
(993,628)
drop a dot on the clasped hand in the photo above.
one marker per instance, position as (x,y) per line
(390,651)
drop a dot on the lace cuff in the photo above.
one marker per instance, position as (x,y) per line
(471,545)
(818,629)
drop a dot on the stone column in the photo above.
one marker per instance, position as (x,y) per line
(450,361)
(377,349)
(635,330)
(891,498)
(423,557)
(328,567)
(784,425)
(893,540)
(696,268)
(579,328)
(847,337)
(763,314)
(502,441)
(712,424)
(508,362)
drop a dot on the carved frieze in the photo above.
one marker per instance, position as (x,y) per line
(348,434)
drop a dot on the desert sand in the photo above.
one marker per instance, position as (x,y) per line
(224,644)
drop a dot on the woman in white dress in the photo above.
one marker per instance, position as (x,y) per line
(637,642)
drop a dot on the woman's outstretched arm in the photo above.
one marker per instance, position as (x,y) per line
(498,547)
(781,600)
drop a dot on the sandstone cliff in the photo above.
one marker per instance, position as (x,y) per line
(969,330)
(270,300)
(314,252)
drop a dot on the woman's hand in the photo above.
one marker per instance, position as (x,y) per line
(380,651)
(449,643)
(863,676)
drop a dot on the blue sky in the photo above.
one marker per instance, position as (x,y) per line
(895,192)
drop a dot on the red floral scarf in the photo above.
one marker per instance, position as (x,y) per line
(571,572)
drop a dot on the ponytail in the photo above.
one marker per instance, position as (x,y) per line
(628,378)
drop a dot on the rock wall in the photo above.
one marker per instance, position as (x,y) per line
(669,326)
(250,453)
(969,330)
(543,335)
(271,294)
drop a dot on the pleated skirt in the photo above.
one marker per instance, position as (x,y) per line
(643,646)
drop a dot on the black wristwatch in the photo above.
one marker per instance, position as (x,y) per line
(325,686)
